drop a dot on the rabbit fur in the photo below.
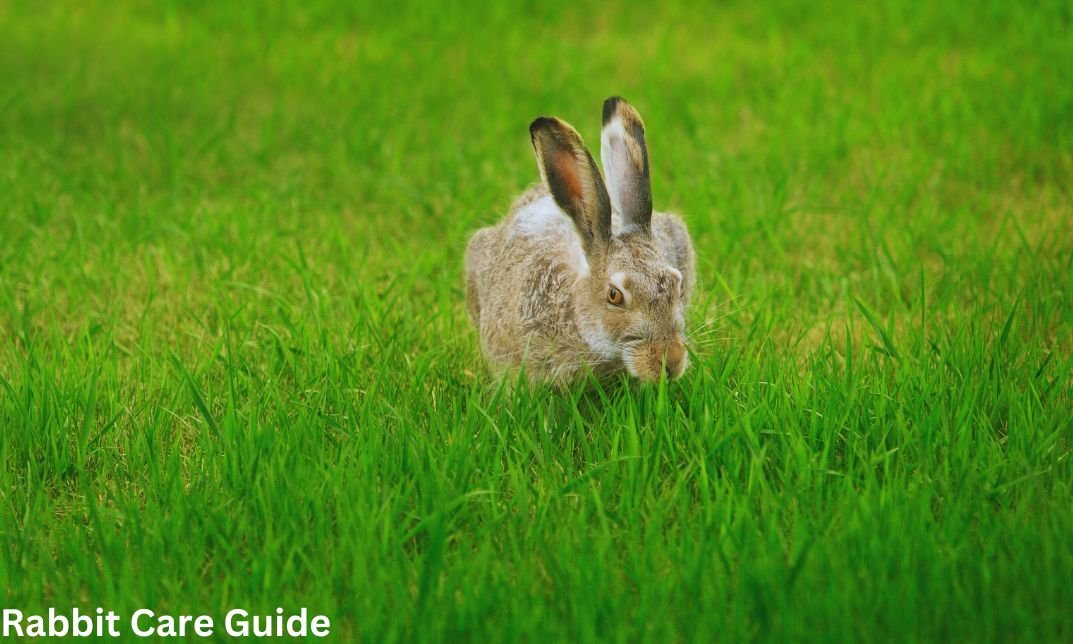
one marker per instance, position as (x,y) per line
(581,275)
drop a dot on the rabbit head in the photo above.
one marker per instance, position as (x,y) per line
(629,303)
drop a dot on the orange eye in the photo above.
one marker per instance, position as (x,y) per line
(614,296)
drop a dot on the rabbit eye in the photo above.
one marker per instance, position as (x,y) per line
(614,296)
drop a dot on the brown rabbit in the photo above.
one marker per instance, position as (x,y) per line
(578,276)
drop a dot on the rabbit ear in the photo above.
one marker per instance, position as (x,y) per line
(570,173)
(625,158)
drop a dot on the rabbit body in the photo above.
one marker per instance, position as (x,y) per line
(577,279)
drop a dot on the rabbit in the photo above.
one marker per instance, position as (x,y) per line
(580,277)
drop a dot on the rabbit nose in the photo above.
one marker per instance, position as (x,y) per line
(674,358)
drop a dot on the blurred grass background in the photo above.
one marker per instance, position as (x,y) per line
(236,369)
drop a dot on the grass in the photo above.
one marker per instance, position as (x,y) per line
(236,371)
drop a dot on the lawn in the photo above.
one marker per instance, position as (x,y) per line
(236,369)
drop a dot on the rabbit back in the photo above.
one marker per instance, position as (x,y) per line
(519,276)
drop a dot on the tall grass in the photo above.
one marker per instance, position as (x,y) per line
(236,371)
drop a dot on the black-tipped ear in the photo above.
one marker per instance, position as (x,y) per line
(625,157)
(570,173)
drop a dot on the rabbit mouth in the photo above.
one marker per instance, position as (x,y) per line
(649,360)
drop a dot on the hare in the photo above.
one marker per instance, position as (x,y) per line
(580,276)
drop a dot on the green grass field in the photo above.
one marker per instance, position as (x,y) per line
(236,369)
